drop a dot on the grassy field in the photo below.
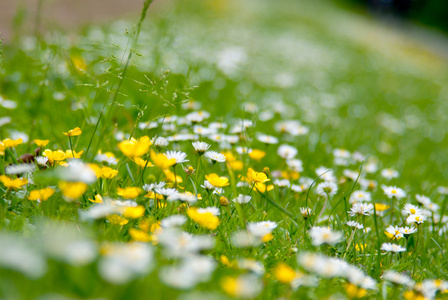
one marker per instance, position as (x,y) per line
(322,175)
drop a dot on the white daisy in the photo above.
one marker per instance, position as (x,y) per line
(200,147)
(389,247)
(179,156)
(361,209)
(286,151)
(326,188)
(393,192)
(215,156)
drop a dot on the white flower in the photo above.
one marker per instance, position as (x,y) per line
(124,262)
(20,169)
(153,186)
(327,267)
(215,156)
(106,157)
(42,160)
(77,171)
(325,174)
(411,209)
(425,201)
(282,182)
(398,278)
(161,142)
(305,212)
(355,224)
(267,139)
(242,199)
(389,247)
(252,265)
(416,219)
(295,165)
(287,151)
(362,209)
(389,173)
(178,244)
(186,197)
(360,196)
(179,156)
(394,232)
(327,188)
(407,230)
(324,235)
(173,221)
(393,192)
(200,147)
(260,229)
(210,209)
(197,116)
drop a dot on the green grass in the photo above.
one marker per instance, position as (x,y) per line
(354,83)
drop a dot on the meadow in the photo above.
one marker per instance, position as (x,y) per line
(221,150)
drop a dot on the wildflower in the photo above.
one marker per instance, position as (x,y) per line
(326,189)
(107,157)
(72,190)
(389,173)
(411,209)
(393,232)
(9,143)
(160,142)
(243,286)
(189,272)
(398,278)
(135,148)
(204,219)
(134,212)
(129,192)
(262,188)
(326,174)
(215,156)
(178,156)
(98,199)
(284,273)
(381,207)
(354,291)
(355,224)
(117,220)
(287,151)
(362,209)
(257,155)
(73,154)
(393,192)
(19,169)
(161,161)
(295,165)
(76,171)
(406,231)
(305,212)
(282,183)
(41,195)
(267,139)
(251,265)
(200,147)
(341,157)
(73,132)
(54,156)
(41,143)
(217,181)
(42,160)
(141,162)
(389,247)
(13,183)
(360,196)
(173,221)
(416,219)
(324,235)
(261,229)
(256,177)
(103,172)
(223,201)
(242,199)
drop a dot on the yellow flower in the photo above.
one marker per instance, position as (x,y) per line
(41,143)
(42,194)
(381,206)
(141,162)
(262,188)
(152,195)
(73,132)
(139,235)
(267,237)
(284,273)
(69,153)
(129,192)
(205,219)
(236,165)
(98,199)
(54,155)
(103,172)
(217,181)
(13,183)
(135,148)
(257,154)
(170,176)
(161,161)
(72,190)
(253,176)
(8,143)
(134,212)
(117,220)
(2,148)
(354,292)
(231,286)
(79,63)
